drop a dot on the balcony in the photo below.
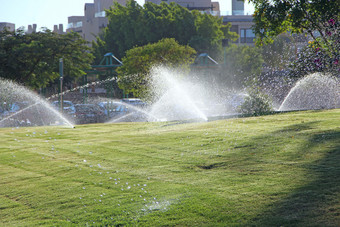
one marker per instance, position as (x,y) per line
(78,24)
(100,14)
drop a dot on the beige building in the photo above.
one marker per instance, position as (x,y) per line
(206,6)
(237,7)
(8,26)
(93,21)
(242,25)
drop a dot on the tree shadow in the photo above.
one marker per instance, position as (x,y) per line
(318,202)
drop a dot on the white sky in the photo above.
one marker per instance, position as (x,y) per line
(46,13)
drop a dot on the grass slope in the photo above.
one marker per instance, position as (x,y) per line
(278,170)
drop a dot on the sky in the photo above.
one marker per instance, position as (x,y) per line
(47,13)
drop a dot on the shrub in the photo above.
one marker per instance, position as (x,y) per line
(256,103)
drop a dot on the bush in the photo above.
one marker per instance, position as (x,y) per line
(256,103)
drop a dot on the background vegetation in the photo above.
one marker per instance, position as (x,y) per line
(134,75)
(33,59)
(134,25)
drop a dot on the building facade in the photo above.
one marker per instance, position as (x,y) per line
(93,21)
(237,7)
(206,6)
(8,26)
(242,25)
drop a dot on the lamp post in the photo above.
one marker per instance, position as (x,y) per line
(61,72)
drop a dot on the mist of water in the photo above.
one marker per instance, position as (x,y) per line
(315,91)
(34,110)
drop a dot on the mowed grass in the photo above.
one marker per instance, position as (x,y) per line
(277,170)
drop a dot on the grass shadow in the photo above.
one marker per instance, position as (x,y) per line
(318,202)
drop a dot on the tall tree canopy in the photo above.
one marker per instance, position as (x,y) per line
(133,25)
(33,59)
(273,17)
(317,18)
(242,64)
(134,76)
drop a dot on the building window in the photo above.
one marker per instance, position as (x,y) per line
(247,36)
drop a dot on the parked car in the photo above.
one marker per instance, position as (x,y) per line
(68,106)
(134,102)
(89,113)
(17,117)
(111,109)
(3,112)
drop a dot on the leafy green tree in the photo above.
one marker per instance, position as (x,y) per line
(133,25)
(209,34)
(273,17)
(317,18)
(319,56)
(33,59)
(278,55)
(134,75)
(243,63)
(124,30)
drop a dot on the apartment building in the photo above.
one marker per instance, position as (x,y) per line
(8,26)
(93,21)
(242,25)
(237,7)
(206,6)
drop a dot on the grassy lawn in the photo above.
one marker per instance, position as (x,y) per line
(277,170)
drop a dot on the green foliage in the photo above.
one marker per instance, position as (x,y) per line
(33,59)
(275,17)
(133,76)
(320,56)
(256,103)
(242,64)
(317,18)
(134,25)
(98,50)
(278,54)
(209,33)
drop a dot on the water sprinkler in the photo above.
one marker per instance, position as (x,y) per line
(61,72)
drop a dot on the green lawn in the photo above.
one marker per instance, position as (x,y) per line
(276,170)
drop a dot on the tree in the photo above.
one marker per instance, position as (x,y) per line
(134,76)
(278,55)
(317,18)
(319,56)
(133,25)
(242,64)
(33,59)
(273,17)
(210,32)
